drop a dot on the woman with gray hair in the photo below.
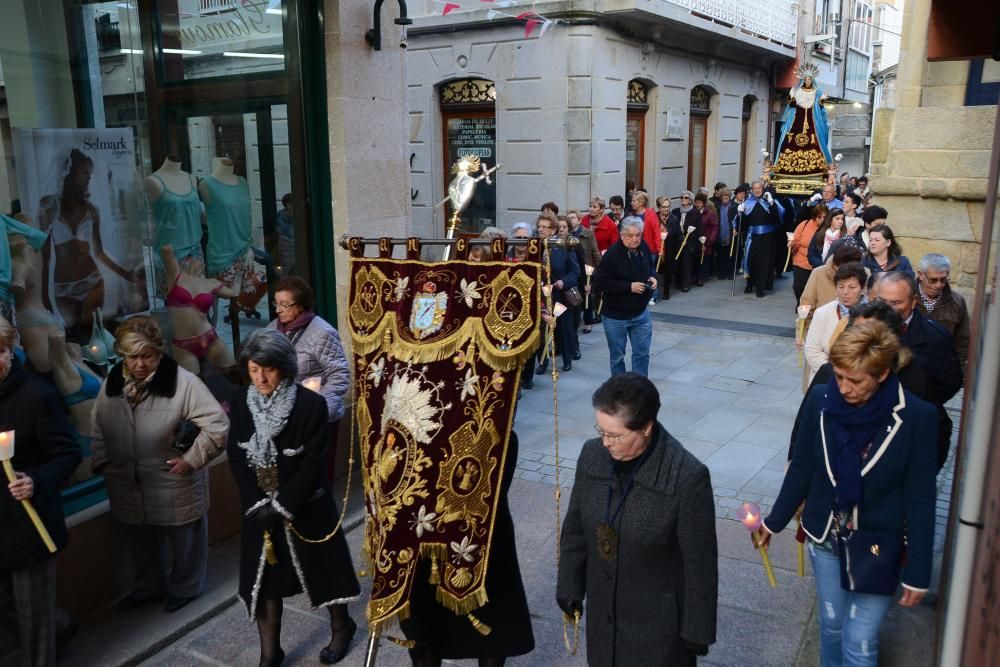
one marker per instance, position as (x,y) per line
(156,427)
(291,540)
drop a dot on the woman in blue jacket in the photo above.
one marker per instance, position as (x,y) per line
(864,464)
(884,254)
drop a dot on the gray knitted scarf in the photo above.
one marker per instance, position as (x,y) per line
(270,416)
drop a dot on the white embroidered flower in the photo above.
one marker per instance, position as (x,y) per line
(423,521)
(464,550)
(469,292)
(400,290)
(468,385)
(416,409)
(376,371)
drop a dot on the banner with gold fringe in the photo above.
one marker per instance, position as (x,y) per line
(438,353)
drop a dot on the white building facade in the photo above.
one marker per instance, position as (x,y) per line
(668,97)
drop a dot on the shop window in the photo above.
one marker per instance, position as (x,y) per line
(635,134)
(469,124)
(129,125)
(701,111)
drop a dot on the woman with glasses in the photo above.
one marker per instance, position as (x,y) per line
(318,349)
(638,543)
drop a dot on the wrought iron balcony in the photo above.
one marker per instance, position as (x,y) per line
(773,20)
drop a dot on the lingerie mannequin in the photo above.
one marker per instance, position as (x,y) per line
(227,210)
(15,234)
(189,301)
(34,322)
(173,197)
(79,389)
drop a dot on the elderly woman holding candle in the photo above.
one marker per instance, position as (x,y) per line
(321,361)
(638,543)
(864,464)
(35,432)
(291,541)
(156,427)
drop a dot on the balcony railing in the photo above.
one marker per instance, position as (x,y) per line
(772,20)
(109,37)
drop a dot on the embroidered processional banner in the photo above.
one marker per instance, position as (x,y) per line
(438,351)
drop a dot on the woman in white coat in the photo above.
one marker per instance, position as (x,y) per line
(830,320)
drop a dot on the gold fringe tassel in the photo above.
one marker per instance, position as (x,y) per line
(405,643)
(480,627)
(466,604)
(435,577)
(385,336)
(269,555)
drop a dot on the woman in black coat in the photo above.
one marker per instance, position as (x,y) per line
(565,274)
(45,455)
(277,451)
(638,543)
(441,634)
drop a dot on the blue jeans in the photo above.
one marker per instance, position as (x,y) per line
(848,622)
(638,330)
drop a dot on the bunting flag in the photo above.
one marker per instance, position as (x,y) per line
(531,19)
(438,353)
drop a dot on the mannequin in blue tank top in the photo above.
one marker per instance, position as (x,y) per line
(229,255)
(173,197)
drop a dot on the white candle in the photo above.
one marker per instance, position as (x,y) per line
(313,383)
(6,445)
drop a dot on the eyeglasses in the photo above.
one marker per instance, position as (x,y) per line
(283,306)
(613,438)
(936,281)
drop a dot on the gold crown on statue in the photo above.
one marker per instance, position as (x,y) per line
(806,69)
(467,164)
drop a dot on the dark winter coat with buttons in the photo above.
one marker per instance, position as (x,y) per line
(661,590)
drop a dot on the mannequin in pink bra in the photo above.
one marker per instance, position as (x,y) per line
(190,297)
(74,227)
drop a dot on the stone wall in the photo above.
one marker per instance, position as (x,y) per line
(369,173)
(931,155)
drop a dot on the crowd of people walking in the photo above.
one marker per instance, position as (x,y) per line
(884,350)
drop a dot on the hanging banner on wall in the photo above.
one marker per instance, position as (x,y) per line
(438,352)
(79,186)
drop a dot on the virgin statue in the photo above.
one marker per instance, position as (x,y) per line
(804,130)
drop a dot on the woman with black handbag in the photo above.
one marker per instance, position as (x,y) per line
(864,464)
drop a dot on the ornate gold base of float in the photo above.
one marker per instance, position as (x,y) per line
(796,185)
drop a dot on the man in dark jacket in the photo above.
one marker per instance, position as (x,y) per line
(940,304)
(626,277)
(45,455)
(931,345)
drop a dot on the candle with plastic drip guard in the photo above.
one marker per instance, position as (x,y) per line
(749,515)
(314,383)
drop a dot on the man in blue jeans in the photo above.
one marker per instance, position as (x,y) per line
(626,277)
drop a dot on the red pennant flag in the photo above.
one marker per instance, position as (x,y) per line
(524,15)
(449,6)
(530,26)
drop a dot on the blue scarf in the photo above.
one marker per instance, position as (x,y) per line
(849,431)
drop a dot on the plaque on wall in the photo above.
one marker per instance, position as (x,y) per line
(675,124)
